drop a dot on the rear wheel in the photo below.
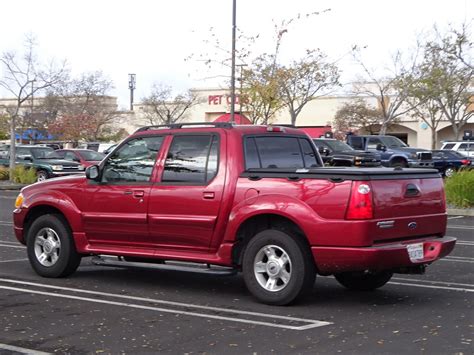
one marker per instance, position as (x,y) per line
(277,268)
(362,281)
(449,171)
(50,247)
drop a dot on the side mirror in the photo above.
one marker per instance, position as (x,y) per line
(381,147)
(92,172)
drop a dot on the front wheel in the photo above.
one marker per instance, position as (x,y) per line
(362,281)
(41,175)
(277,268)
(50,247)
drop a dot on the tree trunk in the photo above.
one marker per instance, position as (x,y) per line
(455,131)
(383,129)
(434,137)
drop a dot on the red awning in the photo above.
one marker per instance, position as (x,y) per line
(239,119)
(315,132)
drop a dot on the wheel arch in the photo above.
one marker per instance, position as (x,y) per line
(41,210)
(257,223)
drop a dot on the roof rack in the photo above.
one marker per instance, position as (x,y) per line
(183,125)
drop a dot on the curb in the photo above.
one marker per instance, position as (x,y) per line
(468,212)
(12,187)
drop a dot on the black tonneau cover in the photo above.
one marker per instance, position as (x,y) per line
(343,173)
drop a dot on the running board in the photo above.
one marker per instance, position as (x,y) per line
(172,266)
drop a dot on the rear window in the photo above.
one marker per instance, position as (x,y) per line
(279,152)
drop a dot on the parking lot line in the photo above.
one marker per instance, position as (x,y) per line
(456,217)
(4,245)
(5,223)
(432,282)
(21,350)
(310,323)
(460,259)
(464,242)
(10,261)
(432,286)
(461,227)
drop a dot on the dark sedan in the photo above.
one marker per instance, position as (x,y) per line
(447,162)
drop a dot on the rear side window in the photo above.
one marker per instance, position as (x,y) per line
(279,152)
(192,159)
(357,143)
(448,146)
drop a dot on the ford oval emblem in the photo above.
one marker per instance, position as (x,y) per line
(412,225)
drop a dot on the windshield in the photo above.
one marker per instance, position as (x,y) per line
(392,142)
(338,145)
(90,155)
(44,153)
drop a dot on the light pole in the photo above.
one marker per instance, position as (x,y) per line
(232,76)
(132,79)
(241,66)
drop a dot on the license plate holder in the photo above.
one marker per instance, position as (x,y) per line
(415,252)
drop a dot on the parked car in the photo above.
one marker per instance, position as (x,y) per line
(337,153)
(393,152)
(248,198)
(463,147)
(44,159)
(84,156)
(447,162)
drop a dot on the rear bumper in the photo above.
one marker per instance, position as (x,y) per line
(330,260)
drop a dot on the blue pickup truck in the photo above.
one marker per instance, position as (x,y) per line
(393,151)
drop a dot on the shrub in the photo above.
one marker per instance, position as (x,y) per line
(460,189)
(24,175)
(4,174)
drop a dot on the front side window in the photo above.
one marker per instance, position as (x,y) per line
(373,142)
(133,161)
(463,147)
(191,159)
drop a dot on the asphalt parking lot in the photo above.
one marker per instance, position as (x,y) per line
(112,310)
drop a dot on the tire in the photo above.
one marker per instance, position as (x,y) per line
(449,171)
(277,268)
(399,163)
(50,247)
(360,281)
(41,175)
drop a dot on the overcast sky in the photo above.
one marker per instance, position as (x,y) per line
(152,38)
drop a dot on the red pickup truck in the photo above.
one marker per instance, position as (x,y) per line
(255,199)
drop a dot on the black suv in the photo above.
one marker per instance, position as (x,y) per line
(337,153)
(45,160)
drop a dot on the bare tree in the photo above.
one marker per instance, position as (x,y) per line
(447,67)
(306,80)
(83,98)
(390,91)
(355,115)
(23,78)
(161,107)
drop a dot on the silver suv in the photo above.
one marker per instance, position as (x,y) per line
(466,148)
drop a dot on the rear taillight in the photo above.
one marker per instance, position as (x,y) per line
(465,162)
(360,201)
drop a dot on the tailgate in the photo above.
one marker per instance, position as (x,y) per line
(408,208)
(411,197)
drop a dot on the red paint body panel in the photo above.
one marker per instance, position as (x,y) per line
(200,223)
